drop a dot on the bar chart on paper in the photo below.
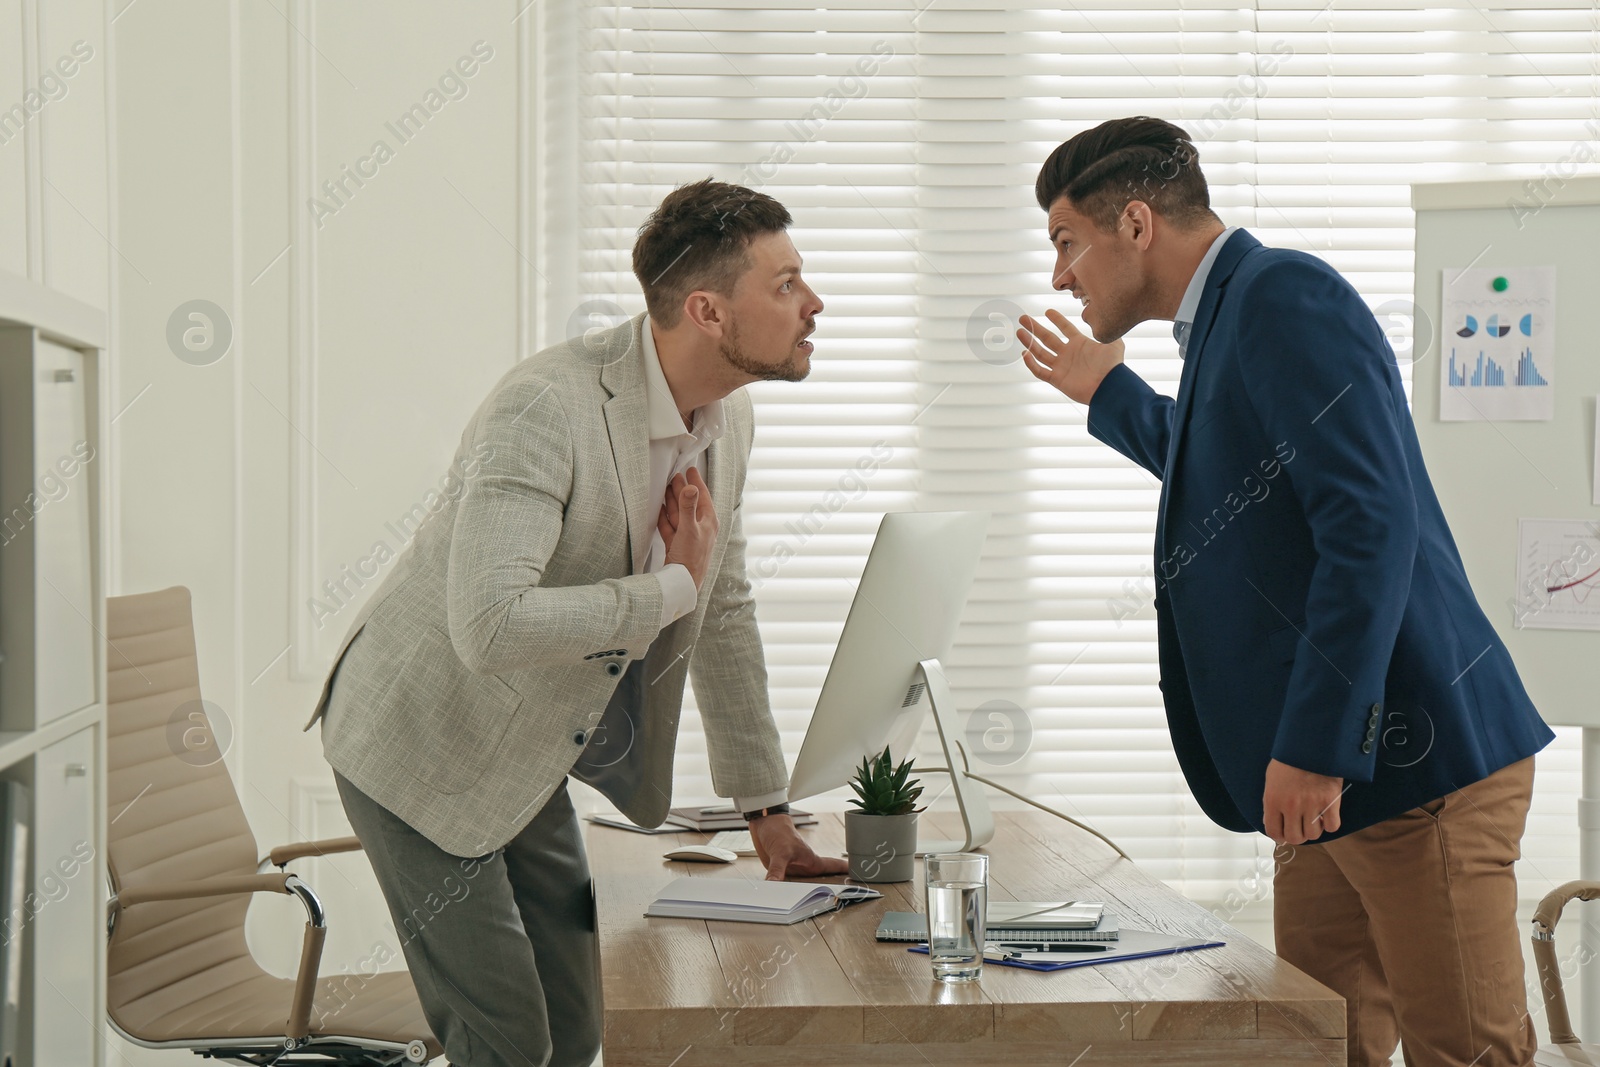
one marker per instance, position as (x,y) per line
(1487,372)
(1501,354)
(1558,575)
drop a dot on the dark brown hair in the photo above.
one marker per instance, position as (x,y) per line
(1139,158)
(699,238)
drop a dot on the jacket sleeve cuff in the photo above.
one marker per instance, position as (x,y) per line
(763,800)
(1120,390)
(1340,742)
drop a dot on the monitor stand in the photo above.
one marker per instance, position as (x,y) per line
(975,817)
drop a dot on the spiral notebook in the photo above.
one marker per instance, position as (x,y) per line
(913,926)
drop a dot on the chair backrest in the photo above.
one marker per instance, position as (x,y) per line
(173,817)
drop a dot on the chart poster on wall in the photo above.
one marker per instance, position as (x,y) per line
(1558,575)
(1498,336)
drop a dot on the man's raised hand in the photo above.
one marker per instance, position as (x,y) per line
(1072,361)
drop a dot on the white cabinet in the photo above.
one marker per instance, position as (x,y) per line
(67,896)
(64,655)
(49,488)
(53,563)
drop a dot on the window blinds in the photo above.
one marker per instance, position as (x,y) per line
(904,138)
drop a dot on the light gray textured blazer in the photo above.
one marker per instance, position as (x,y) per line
(489,654)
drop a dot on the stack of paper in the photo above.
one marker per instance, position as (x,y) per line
(734,841)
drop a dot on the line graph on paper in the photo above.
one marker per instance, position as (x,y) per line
(1558,575)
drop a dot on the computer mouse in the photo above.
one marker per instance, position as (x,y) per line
(701,854)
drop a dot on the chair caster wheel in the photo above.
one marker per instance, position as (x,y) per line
(417,1052)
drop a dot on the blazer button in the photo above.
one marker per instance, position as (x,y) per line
(613,669)
(1375,709)
(577,738)
(1366,747)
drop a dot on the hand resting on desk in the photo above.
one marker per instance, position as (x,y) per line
(785,856)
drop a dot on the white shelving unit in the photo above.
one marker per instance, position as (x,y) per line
(54,557)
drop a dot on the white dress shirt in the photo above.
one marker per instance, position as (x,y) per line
(673,450)
(1189,306)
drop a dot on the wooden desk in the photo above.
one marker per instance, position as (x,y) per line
(690,993)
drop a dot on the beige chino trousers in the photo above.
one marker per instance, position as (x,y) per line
(1414,922)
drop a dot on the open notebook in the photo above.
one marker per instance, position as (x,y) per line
(742,900)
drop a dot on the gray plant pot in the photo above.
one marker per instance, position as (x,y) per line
(882,848)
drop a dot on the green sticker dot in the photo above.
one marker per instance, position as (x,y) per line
(1500,285)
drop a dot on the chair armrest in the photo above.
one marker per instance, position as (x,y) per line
(299,850)
(210,887)
(299,1021)
(1545,917)
(1548,912)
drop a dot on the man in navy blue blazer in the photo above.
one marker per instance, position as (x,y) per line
(1329,677)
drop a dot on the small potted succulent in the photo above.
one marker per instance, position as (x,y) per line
(881,837)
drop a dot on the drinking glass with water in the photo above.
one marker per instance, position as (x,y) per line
(957,900)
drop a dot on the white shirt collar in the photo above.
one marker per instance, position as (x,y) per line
(665,422)
(1190,304)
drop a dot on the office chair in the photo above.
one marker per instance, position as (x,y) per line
(1565,1050)
(182,863)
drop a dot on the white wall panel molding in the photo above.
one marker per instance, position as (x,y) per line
(305,657)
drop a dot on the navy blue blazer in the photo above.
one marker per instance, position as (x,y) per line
(1311,605)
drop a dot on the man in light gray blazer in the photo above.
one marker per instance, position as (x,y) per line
(543,623)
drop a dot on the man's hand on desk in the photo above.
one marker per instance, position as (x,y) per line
(1299,806)
(784,855)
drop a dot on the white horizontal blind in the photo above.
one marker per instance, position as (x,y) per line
(905,139)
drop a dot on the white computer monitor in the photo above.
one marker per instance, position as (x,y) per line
(885,675)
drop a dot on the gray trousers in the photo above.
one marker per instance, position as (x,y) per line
(502,947)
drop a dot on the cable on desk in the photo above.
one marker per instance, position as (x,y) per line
(1041,807)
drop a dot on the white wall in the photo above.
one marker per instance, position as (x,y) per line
(54,175)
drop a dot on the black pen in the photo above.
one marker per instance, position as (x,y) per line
(1052,946)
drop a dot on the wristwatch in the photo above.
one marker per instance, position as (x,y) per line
(776,809)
